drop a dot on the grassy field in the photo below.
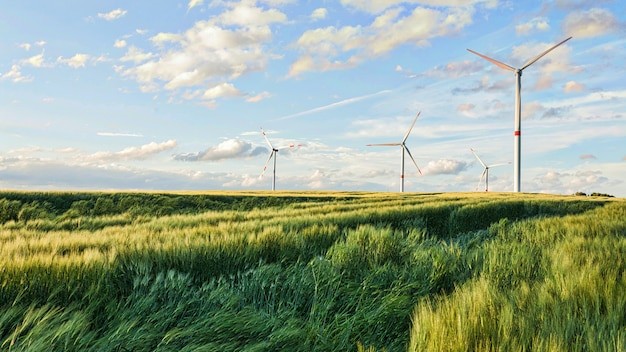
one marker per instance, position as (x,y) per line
(304,271)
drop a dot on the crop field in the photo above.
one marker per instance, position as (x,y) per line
(308,271)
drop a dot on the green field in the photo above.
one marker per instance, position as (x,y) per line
(311,272)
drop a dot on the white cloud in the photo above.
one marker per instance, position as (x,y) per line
(444,167)
(572,86)
(162,38)
(536,24)
(324,49)
(136,55)
(319,14)
(112,15)
(194,3)
(47,100)
(377,6)
(228,149)
(221,91)
(75,61)
(141,31)
(25,46)
(120,43)
(134,153)
(245,14)
(259,97)
(591,23)
(33,173)
(221,49)
(35,61)
(569,182)
(15,75)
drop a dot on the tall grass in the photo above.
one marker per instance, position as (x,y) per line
(311,272)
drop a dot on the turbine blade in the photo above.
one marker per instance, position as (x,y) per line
(384,145)
(532,61)
(267,163)
(266,139)
(502,65)
(477,157)
(411,156)
(290,146)
(481,178)
(500,164)
(410,128)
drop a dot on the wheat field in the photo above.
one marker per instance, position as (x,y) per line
(311,271)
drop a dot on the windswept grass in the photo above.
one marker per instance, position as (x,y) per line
(311,272)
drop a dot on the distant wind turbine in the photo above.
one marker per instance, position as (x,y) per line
(273,155)
(518,108)
(404,148)
(485,173)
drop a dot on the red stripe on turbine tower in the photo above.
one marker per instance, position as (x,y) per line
(517,133)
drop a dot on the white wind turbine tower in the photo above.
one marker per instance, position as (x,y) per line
(518,108)
(273,155)
(485,173)
(404,148)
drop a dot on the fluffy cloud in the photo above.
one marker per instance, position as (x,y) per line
(15,75)
(572,86)
(331,48)
(134,153)
(120,43)
(444,167)
(136,55)
(75,61)
(591,23)
(319,14)
(245,15)
(221,91)
(221,49)
(571,182)
(228,149)
(112,15)
(535,24)
(259,97)
(35,61)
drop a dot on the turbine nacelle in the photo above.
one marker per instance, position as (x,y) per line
(402,144)
(273,154)
(485,173)
(518,107)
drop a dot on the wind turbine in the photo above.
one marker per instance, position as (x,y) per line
(402,144)
(518,108)
(273,154)
(485,171)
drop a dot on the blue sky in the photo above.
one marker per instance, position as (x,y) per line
(171,95)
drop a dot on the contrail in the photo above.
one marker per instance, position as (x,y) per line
(334,105)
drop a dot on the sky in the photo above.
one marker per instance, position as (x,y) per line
(172,95)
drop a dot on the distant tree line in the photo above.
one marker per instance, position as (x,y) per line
(594,194)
